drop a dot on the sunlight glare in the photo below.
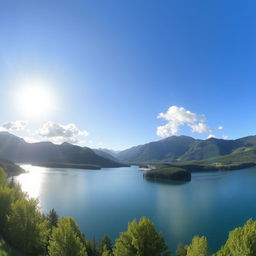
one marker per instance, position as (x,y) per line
(35,100)
(31,182)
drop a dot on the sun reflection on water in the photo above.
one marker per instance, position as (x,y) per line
(31,181)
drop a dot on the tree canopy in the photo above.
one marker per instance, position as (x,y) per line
(27,228)
(141,239)
(241,241)
(3,178)
(66,239)
(198,247)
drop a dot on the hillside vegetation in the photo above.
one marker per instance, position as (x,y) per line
(184,148)
(181,171)
(241,158)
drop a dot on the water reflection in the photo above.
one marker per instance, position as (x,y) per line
(104,201)
(166,182)
(31,181)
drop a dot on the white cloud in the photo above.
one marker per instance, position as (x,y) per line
(224,137)
(14,126)
(167,130)
(59,133)
(30,139)
(179,116)
(220,128)
(211,136)
(200,128)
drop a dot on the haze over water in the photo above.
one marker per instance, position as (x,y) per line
(104,201)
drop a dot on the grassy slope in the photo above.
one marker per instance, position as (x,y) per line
(241,158)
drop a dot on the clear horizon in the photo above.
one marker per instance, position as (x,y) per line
(120,74)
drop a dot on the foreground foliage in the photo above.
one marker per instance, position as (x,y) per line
(198,247)
(141,239)
(24,218)
(25,228)
(66,239)
(241,241)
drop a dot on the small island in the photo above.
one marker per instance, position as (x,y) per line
(168,173)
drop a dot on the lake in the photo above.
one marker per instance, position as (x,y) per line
(104,201)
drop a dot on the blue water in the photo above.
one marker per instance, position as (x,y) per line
(104,201)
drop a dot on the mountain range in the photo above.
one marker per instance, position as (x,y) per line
(174,149)
(183,148)
(18,150)
(109,154)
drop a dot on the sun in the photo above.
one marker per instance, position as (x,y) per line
(35,99)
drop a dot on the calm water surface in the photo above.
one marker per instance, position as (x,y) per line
(104,201)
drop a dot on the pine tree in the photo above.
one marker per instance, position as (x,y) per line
(91,248)
(106,251)
(66,239)
(11,182)
(105,245)
(52,217)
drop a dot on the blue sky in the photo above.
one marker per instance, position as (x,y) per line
(110,67)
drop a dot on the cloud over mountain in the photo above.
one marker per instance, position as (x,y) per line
(179,116)
(200,128)
(211,136)
(59,133)
(14,126)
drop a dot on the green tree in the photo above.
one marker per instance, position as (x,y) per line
(6,199)
(105,245)
(198,247)
(3,253)
(27,229)
(52,217)
(17,192)
(241,241)
(11,182)
(106,251)
(91,248)
(3,178)
(66,239)
(181,250)
(141,239)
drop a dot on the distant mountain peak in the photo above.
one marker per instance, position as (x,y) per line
(9,135)
(66,144)
(183,148)
(18,150)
